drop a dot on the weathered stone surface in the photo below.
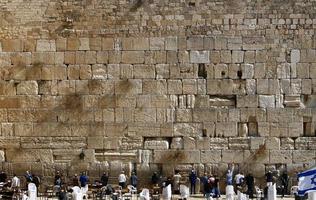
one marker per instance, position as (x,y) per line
(28,88)
(156,144)
(177,156)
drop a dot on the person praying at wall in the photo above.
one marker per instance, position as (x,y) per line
(193,178)
(134,180)
(229,175)
(122,179)
(104,179)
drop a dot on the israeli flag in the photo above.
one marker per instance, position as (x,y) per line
(307,181)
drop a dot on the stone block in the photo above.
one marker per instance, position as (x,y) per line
(107,44)
(235,156)
(12,45)
(199,57)
(280,156)
(247,101)
(195,43)
(226,129)
(295,56)
(176,156)
(30,155)
(204,115)
(247,71)
(156,144)
(46,45)
(211,156)
(187,129)
(177,143)
(144,71)
(189,143)
(135,44)
(266,101)
(157,43)
(174,87)
(28,88)
(171,43)
(237,56)
(272,143)
(98,71)
(303,156)
(133,57)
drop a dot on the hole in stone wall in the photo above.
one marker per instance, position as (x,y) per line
(192,4)
(202,71)
(204,132)
(239,73)
(223,73)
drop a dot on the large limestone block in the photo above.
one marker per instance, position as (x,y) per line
(171,43)
(145,115)
(176,156)
(247,71)
(156,144)
(189,143)
(133,57)
(183,115)
(187,129)
(272,143)
(205,115)
(46,45)
(177,143)
(239,143)
(266,101)
(27,87)
(211,156)
(282,156)
(303,156)
(174,87)
(95,142)
(143,129)
(29,155)
(135,43)
(295,56)
(144,71)
(199,57)
(230,156)
(157,43)
(247,101)
(36,142)
(12,45)
(226,129)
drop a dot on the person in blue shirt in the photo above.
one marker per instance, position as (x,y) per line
(229,175)
(134,180)
(193,178)
(83,179)
(204,181)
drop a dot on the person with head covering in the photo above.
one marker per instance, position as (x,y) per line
(284,183)
(122,179)
(229,175)
(104,179)
(134,180)
(193,178)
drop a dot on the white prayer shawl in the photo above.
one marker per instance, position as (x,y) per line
(166,192)
(32,191)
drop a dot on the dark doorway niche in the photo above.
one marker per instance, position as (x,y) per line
(202,73)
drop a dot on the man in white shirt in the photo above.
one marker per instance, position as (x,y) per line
(122,180)
(15,182)
(239,179)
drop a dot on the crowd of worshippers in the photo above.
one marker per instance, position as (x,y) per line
(209,184)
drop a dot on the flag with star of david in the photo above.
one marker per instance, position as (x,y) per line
(307,181)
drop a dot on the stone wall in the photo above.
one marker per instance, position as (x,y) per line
(157,85)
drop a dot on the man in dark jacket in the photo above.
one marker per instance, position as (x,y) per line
(104,179)
(284,183)
(134,180)
(193,178)
(250,182)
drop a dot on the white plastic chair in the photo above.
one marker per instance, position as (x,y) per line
(32,191)
(144,195)
(294,190)
(259,192)
(184,191)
